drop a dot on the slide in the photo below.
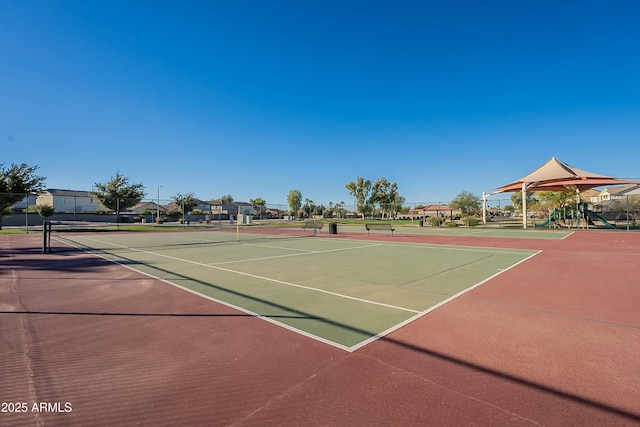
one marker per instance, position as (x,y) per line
(546,222)
(542,224)
(595,217)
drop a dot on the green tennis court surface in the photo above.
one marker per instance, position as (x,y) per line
(344,292)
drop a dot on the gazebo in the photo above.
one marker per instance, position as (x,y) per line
(430,209)
(554,175)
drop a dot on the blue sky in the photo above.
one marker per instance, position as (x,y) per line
(256,98)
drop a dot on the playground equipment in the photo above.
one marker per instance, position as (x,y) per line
(553,219)
(558,218)
(592,217)
(564,218)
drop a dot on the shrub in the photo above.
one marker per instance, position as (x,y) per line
(470,221)
(434,221)
(175,214)
(452,224)
(45,211)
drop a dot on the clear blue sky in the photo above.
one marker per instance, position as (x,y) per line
(255,98)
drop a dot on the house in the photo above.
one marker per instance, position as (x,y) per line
(200,206)
(590,196)
(226,208)
(595,196)
(246,208)
(619,192)
(272,213)
(152,207)
(68,200)
(30,200)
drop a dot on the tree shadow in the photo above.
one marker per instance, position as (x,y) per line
(93,313)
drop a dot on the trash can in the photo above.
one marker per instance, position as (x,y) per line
(333,228)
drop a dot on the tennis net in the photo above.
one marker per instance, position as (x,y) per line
(61,235)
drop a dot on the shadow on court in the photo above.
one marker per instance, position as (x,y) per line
(80,313)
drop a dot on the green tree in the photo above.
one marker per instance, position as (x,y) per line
(259,203)
(468,203)
(16,183)
(227,198)
(360,189)
(118,194)
(549,200)
(385,194)
(340,210)
(309,207)
(294,198)
(633,203)
(185,202)
(516,199)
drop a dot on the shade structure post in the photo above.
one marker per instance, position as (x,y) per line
(524,205)
(484,207)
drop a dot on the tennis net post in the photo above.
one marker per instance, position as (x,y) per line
(46,236)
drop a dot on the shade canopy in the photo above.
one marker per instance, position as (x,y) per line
(556,175)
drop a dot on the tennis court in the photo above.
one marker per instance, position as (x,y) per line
(262,327)
(343,292)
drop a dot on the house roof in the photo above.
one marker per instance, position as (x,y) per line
(590,193)
(622,189)
(145,204)
(556,175)
(434,208)
(69,193)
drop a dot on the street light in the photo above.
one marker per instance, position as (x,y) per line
(118,213)
(158,206)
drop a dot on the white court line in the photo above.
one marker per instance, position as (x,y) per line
(418,314)
(255,276)
(278,247)
(570,234)
(292,255)
(432,308)
(453,247)
(264,317)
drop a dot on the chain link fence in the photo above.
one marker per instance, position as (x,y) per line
(71,206)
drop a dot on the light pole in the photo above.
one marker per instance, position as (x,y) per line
(118,213)
(158,206)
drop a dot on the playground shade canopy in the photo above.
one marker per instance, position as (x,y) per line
(556,175)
